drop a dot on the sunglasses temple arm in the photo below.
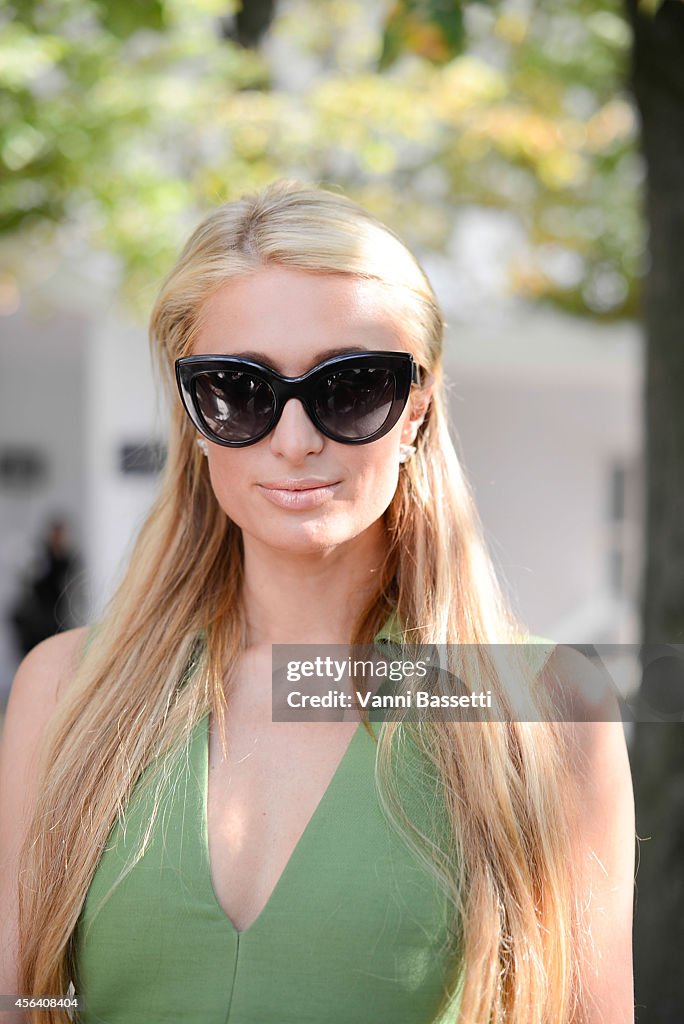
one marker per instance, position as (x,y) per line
(421,376)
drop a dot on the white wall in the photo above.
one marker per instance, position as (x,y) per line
(121,407)
(542,404)
(539,462)
(41,405)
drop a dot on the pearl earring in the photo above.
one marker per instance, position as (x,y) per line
(406,451)
(202,444)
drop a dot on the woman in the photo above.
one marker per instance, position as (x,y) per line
(480,877)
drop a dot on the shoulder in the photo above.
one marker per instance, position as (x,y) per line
(598,757)
(589,713)
(604,839)
(40,681)
(591,728)
(584,693)
(47,668)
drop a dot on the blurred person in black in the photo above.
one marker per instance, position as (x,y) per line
(46,603)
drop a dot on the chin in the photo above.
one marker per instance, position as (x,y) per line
(306,541)
(309,537)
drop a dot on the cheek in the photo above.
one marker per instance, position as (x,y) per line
(228,477)
(372,482)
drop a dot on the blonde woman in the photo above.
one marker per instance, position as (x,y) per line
(172,853)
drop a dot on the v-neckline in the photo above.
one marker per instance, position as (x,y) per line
(297,851)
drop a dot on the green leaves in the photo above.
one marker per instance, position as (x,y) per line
(118,17)
(122,18)
(121,134)
(430,28)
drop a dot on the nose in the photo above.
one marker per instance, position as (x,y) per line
(295,436)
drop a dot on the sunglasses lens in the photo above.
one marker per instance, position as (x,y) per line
(355,403)
(235,406)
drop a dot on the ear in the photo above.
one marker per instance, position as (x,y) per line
(419,404)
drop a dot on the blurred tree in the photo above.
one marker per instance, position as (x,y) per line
(121,123)
(657,77)
(248,24)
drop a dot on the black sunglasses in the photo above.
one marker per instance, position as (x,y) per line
(353,399)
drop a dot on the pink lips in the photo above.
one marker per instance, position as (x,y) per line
(308,492)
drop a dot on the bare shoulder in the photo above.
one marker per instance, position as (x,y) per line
(40,681)
(604,845)
(598,756)
(57,655)
(587,701)
(591,717)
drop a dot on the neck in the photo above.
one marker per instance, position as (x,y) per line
(313,597)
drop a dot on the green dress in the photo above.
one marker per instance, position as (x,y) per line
(353,932)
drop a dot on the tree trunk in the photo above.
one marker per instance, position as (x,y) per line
(657,750)
(250,22)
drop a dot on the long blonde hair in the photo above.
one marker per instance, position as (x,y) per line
(177,616)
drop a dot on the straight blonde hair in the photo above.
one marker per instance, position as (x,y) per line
(177,617)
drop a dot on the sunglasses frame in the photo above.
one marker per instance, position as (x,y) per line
(406,370)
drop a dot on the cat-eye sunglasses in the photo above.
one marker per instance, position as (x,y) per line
(353,398)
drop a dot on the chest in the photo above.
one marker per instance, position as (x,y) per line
(264,792)
(354,930)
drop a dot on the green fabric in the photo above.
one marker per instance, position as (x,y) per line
(352,932)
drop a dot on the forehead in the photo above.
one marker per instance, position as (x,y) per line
(291,318)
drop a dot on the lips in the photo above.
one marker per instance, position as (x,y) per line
(308,484)
(299,495)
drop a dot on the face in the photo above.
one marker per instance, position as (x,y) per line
(291,319)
